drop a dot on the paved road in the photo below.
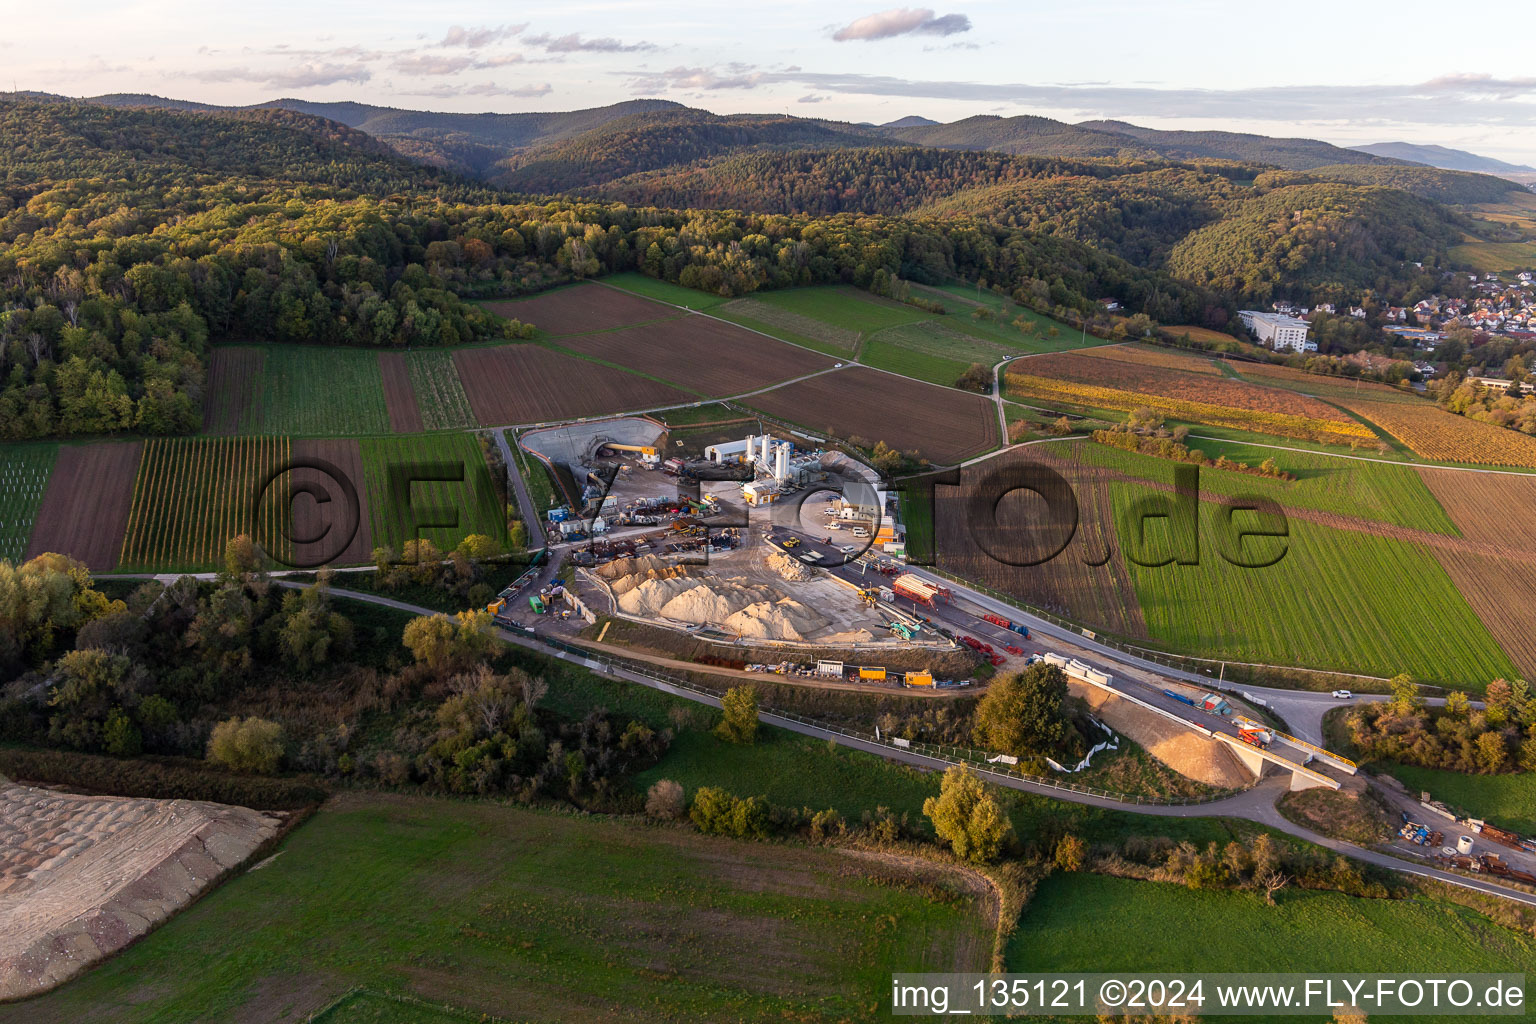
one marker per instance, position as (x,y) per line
(525,505)
(1254,804)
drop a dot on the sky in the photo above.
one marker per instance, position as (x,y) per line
(1347,72)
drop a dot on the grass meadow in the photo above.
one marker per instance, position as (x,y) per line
(509,912)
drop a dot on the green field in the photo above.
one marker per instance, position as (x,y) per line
(1041,333)
(467,497)
(1338,599)
(492,908)
(192,494)
(829,318)
(535,476)
(1505,800)
(24,472)
(1348,487)
(1496,257)
(887,355)
(663,291)
(439,392)
(1096,923)
(319,392)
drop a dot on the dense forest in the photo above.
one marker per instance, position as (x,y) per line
(113,281)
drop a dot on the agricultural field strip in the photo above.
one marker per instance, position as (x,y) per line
(186,504)
(1339,599)
(846,365)
(1394,494)
(24,472)
(439,392)
(1338,521)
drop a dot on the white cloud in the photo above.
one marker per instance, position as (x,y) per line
(484,35)
(737,77)
(901,21)
(302,76)
(574,43)
(431,64)
(448,91)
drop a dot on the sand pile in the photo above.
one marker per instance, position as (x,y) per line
(633,566)
(791,569)
(751,609)
(1184,750)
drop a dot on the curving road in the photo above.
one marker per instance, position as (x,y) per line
(1254,804)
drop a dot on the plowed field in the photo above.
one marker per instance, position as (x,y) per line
(582,308)
(531,384)
(944,426)
(85,507)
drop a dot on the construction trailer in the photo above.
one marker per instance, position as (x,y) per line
(919,679)
(915,588)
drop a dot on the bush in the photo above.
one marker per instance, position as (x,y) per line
(717,812)
(665,800)
(247,745)
(1071,852)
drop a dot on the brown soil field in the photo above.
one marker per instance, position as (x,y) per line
(233,377)
(1080,368)
(1492,508)
(1436,434)
(1499,510)
(399,397)
(531,384)
(1331,389)
(944,426)
(311,518)
(85,508)
(1503,594)
(84,876)
(1068,584)
(702,354)
(582,308)
(1150,355)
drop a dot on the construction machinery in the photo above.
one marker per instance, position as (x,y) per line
(791,543)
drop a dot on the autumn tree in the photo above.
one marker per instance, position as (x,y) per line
(247,745)
(966,816)
(1023,713)
(739,724)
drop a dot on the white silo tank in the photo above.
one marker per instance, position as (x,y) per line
(751,452)
(781,463)
(767,459)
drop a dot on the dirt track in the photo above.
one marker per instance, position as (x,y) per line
(85,508)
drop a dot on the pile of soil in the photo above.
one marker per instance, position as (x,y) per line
(83,876)
(1184,750)
(792,569)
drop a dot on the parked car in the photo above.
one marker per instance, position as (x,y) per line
(1342,694)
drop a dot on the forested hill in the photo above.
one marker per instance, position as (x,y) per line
(672,138)
(1327,240)
(130,239)
(52,141)
(1293,154)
